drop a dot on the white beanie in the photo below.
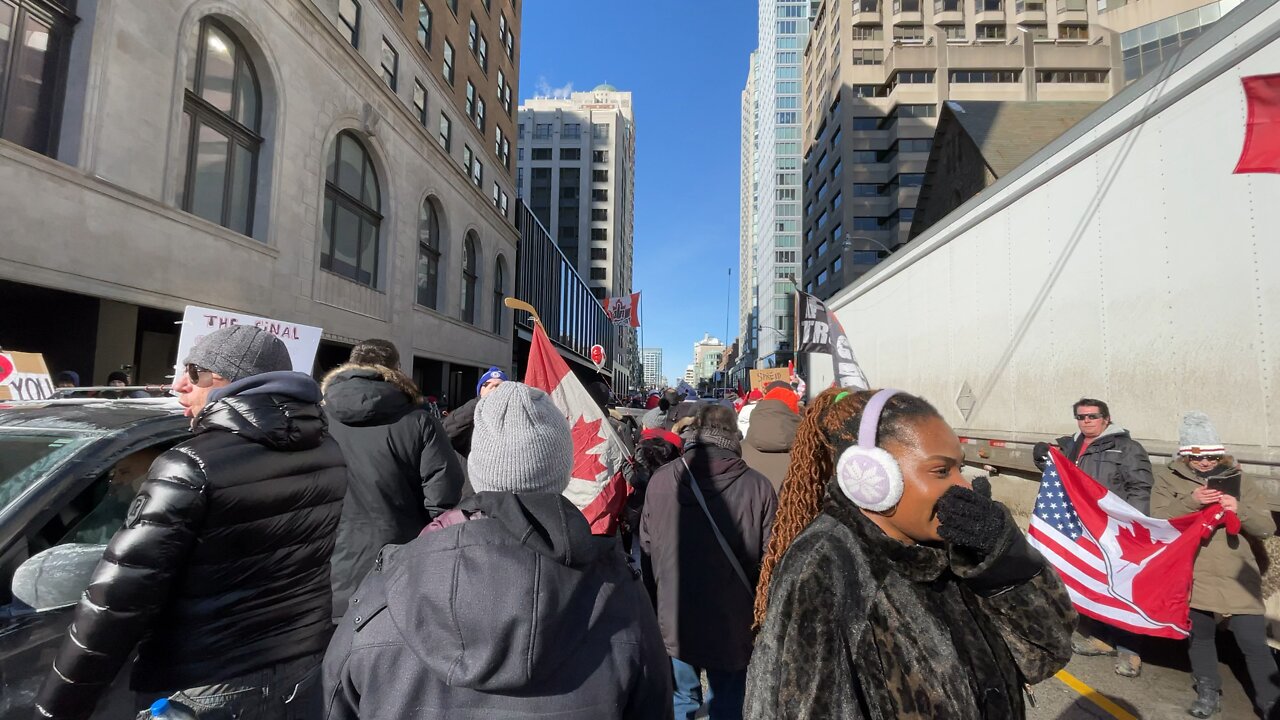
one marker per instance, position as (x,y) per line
(520,442)
(1197,436)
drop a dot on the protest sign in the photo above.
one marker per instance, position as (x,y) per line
(24,376)
(301,340)
(763,376)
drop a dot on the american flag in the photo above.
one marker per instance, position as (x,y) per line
(1120,566)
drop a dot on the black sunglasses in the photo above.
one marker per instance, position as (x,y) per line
(194,371)
(1089,416)
(1203,458)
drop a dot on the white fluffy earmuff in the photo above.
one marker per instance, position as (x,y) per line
(870,477)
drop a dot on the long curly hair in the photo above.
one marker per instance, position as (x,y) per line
(829,426)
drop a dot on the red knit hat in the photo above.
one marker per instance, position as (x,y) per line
(661,434)
(786,396)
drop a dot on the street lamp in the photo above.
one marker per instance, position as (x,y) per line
(847,242)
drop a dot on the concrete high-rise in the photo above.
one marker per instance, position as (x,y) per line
(576,171)
(1152,32)
(651,359)
(706,357)
(783,27)
(875,74)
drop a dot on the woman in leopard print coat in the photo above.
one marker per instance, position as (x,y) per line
(936,608)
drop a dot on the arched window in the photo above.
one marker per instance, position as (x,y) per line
(221,122)
(428,254)
(351,217)
(499,292)
(469,278)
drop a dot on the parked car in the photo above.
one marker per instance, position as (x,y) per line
(68,472)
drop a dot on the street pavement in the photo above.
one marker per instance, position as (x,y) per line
(1162,692)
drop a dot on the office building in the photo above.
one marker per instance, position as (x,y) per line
(776,84)
(651,359)
(706,357)
(576,171)
(1153,31)
(876,73)
(747,221)
(333,163)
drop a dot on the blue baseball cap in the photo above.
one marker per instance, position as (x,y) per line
(492,373)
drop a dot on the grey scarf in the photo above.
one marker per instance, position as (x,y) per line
(713,437)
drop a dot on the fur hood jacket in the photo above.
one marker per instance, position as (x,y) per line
(862,626)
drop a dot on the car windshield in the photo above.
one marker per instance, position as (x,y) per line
(26,456)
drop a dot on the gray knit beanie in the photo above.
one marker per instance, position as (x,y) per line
(520,442)
(240,351)
(1197,436)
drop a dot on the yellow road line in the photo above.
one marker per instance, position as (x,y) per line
(1094,696)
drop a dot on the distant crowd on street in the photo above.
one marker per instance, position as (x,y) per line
(342,549)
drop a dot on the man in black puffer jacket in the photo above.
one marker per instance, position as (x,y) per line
(401,471)
(220,575)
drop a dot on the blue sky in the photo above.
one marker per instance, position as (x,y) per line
(685,62)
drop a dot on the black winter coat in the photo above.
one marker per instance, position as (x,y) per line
(222,567)
(401,471)
(704,609)
(861,626)
(1114,459)
(518,612)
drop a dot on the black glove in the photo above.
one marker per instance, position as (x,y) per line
(982,486)
(971,519)
(1040,454)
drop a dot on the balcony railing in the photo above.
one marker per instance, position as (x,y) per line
(570,313)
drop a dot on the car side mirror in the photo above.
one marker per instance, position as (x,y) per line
(56,577)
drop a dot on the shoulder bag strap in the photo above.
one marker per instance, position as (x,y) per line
(724,544)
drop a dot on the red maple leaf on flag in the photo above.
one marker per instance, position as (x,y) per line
(586,440)
(1136,544)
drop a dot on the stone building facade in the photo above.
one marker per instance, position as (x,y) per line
(307,160)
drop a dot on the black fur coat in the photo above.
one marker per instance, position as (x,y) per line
(861,626)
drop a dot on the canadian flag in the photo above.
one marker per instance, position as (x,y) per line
(624,310)
(596,485)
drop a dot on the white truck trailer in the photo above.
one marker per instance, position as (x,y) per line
(1125,261)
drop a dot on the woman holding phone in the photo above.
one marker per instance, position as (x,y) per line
(1226,579)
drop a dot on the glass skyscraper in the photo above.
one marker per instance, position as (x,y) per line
(783,29)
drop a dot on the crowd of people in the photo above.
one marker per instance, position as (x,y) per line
(336,550)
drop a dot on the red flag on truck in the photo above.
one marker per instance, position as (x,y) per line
(1120,566)
(596,485)
(1261,152)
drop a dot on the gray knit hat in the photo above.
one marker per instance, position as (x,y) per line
(1197,436)
(240,351)
(520,442)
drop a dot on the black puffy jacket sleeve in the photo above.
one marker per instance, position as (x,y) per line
(439,468)
(129,587)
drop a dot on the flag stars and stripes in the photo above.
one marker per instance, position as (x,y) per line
(1053,506)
